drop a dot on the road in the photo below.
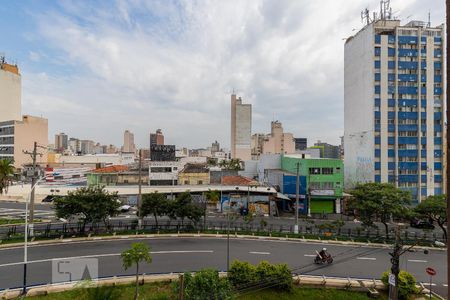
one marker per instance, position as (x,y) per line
(45,211)
(173,254)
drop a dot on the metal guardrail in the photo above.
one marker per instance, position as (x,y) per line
(64,230)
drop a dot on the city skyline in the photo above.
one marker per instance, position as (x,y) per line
(126,74)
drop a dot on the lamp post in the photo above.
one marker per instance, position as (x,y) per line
(297,190)
(25,245)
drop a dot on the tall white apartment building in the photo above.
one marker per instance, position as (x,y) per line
(241,129)
(394,106)
(10,92)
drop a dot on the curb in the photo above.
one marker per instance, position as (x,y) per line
(363,285)
(205,235)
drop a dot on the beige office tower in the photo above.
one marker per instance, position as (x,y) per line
(10,92)
(241,129)
(128,142)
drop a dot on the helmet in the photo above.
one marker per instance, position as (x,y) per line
(324,249)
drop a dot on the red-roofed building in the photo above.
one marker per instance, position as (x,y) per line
(238,180)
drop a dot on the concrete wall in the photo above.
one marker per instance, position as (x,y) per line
(358,107)
(10,96)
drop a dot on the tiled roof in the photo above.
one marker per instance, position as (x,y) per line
(195,168)
(111,169)
(238,180)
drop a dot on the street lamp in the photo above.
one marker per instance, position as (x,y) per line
(25,245)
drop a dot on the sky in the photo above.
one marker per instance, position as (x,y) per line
(97,68)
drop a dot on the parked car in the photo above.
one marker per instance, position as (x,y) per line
(124,208)
(48,199)
(423,224)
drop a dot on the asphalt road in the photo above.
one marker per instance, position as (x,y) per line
(190,254)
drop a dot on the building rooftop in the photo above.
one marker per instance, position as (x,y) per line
(195,168)
(8,67)
(238,180)
(111,169)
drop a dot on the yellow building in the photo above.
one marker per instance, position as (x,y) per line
(194,174)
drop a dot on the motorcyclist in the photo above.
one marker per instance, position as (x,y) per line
(323,253)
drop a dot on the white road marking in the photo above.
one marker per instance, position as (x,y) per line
(366,258)
(103,255)
(261,253)
(444,284)
(310,255)
(417,260)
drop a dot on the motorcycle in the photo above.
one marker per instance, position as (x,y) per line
(322,260)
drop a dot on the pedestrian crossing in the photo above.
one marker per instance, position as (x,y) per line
(17,213)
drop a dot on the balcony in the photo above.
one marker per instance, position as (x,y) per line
(407,39)
(407,65)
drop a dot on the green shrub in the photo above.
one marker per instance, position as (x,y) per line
(241,272)
(277,276)
(406,283)
(206,284)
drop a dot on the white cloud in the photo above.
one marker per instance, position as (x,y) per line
(143,65)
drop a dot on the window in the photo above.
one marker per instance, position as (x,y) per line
(161,170)
(200,182)
(327,171)
(186,182)
(338,170)
(314,185)
(327,185)
(314,171)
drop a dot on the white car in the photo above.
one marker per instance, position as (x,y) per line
(124,208)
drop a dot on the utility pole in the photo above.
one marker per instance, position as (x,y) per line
(395,268)
(33,155)
(447,4)
(139,198)
(297,191)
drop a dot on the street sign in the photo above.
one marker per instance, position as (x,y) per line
(431,271)
(392,279)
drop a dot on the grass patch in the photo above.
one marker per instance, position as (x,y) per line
(307,293)
(150,291)
(164,290)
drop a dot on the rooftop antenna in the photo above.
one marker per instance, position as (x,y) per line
(365,16)
(429,19)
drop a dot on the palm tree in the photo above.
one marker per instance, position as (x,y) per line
(6,174)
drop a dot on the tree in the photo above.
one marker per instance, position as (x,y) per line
(406,283)
(183,207)
(139,252)
(6,174)
(379,201)
(232,164)
(94,204)
(212,196)
(434,208)
(155,204)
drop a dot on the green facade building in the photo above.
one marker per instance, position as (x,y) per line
(324,181)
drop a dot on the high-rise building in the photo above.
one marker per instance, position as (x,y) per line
(241,129)
(10,92)
(157,138)
(61,142)
(393,91)
(328,150)
(277,142)
(87,146)
(215,147)
(301,144)
(128,142)
(19,136)
(74,145)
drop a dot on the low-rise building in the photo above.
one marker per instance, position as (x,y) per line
(163,172)
(19,136)
(194,174)
(324,180)
(116,175)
